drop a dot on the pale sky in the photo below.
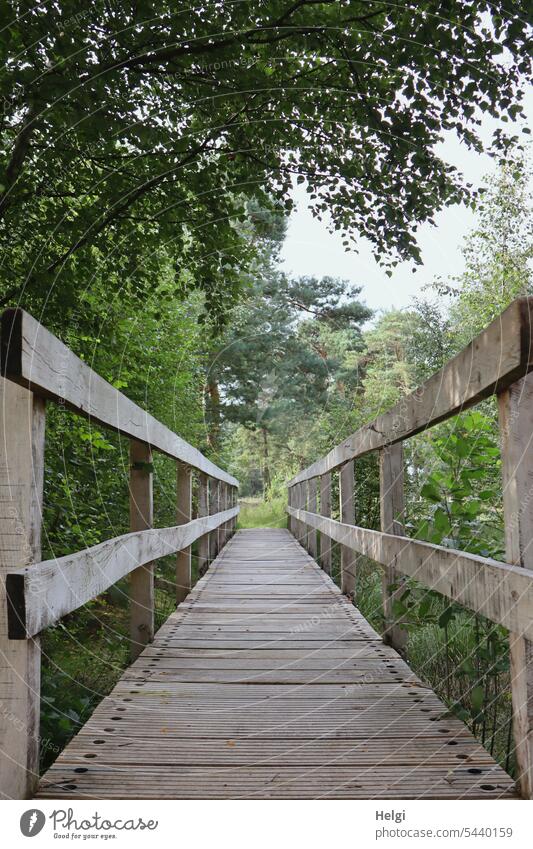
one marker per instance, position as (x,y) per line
(310,249)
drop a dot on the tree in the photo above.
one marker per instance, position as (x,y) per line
(133,128)
(498,253)
(271,371)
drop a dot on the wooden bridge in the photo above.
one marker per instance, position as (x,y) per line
(266,682)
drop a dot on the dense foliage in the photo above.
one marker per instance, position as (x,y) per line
(133,134)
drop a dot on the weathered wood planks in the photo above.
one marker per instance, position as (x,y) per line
(500,591)
(267,683)
(34,358)
(41,594)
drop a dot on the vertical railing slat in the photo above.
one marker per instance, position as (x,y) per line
(22,431)
(347,514)
(203,510)
(183,515)
(325,510)
(312,499)
(392,509)
(516,429)
(141,518)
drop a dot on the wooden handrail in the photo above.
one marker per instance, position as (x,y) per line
(499,361)
(34,358)
(495,359)
(41,594)
(37,367)
(501,592)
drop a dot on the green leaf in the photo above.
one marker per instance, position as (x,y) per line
(477,697)
(431,492)
(446,617)
(441,521)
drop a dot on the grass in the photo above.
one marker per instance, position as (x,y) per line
(257,513)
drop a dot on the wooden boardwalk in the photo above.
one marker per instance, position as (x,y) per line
(267,683)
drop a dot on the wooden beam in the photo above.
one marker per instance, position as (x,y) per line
(300,527)
(234,503)
(392,510)
(312,500)
(183,517)
(22,428)
(220,531)
(32,357)
(203,510)
(304,530)
(347,514)
(290,503)
(41,594)
(325,511)
(500,355)
(516,428)
(141,518)
(500,591)
(214,492)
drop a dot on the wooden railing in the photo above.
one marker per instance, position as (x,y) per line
(36,368)
(497,362)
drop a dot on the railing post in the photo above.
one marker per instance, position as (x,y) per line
(220,508)
(141,518)
(300,527)
(183,516)
(230,504)
(22,430)
(347,513)
(213,508)
(303,505)
(392,508)
(516,428)
(312,499)
(234,502)
(290,521)
(224,506)
(203,510)
(325,510)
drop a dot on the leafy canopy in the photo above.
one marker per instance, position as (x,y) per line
(135,128)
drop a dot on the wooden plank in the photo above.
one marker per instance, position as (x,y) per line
(392,510)
(516,428)
(347,515)
(22,431)
(142,578)
(220,707)
(42,594)
(325,510)
(183,517)
(499,356)
(272,783)
(501,592)
(219,752)
(32,357)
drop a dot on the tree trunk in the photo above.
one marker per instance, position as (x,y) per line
(213,413)
(266,467)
